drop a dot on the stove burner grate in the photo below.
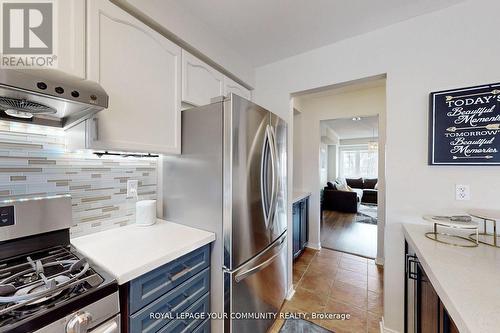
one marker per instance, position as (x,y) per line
(41,280)
(43,286)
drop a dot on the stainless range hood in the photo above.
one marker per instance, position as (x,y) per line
(48,97)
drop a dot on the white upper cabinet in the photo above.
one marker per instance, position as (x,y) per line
(200,82)
(231,86)
(70,36)
(141,72)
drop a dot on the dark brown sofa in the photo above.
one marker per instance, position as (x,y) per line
(341,201)
(370,194)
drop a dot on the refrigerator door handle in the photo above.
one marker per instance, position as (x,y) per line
(274,166)
(264,186)
(243,275)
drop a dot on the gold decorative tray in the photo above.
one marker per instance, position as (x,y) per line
(490,218)
(449,224)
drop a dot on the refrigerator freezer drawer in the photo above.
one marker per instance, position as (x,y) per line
(257,287)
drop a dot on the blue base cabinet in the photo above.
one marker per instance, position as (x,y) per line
(300,217)
(173,298)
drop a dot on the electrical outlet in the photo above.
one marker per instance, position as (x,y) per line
(462,192)
(132,186)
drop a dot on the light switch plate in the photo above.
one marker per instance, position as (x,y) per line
(132,186)
(462,192)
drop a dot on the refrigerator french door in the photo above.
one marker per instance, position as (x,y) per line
(255,216)
(231,179)
(255,161)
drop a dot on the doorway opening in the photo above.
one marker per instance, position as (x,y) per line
(349,172)
(338,156)
(328,277)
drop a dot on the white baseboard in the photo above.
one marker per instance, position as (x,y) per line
(290,293)
(384,329)
(379,261)
(314,246)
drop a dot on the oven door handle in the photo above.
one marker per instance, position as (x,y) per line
(107,328)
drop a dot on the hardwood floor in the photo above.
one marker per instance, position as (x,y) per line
(341,232)
(329,282)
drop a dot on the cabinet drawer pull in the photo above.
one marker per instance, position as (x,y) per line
(411,264)
(146,288)
(177,276)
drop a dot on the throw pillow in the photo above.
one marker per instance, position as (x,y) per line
(369,183)
(330,185)
(340,184)
(355,182)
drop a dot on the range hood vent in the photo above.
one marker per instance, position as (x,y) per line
(48,97)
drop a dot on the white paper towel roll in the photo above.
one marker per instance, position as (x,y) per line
(145,212)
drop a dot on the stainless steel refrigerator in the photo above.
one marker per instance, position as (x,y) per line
(231,179)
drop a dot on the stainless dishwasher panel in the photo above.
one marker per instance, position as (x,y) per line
(258,286)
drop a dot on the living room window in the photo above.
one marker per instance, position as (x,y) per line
(358,161)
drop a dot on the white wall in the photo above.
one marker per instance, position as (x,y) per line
(328,139)
(190,29)
(297,148)
(332,151)
(450,48)
(359,141)
(323,166)
(328,136)
(365,101)
(332,162)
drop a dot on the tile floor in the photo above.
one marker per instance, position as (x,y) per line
(334,282)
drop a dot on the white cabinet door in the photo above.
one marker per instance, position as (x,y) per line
(70,36)
(141,72)
(200,82)
(233,87)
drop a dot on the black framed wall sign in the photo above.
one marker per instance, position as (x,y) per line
(464,126)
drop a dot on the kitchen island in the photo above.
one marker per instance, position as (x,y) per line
(466,280)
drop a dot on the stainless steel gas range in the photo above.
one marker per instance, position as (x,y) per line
(46,286)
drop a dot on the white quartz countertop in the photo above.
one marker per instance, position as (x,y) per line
(467,280)
(131,251)
(299,195)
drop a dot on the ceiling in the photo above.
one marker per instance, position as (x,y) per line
(265,31)
(367,127)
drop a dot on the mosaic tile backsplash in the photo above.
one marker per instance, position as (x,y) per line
(34,162)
